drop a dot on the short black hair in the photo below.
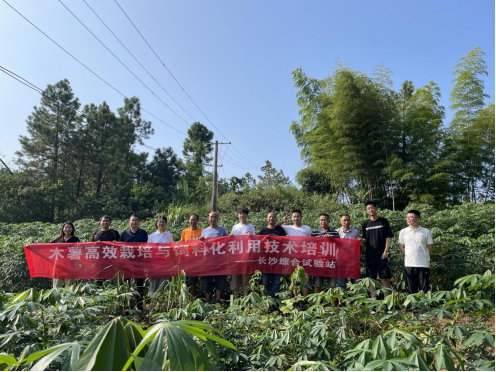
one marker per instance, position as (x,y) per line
(415,212)
(194,214)
(158,218)
(105,216)
(345,215)
(325,215)
(370,202)
(242,210)
(297,211)
(133,215)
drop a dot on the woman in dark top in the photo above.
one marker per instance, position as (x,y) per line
(66,236)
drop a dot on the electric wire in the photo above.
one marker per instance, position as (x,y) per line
(122,63)
(136,59)
(90,70)
(41,91)
(239,164)
(22,80)
(103,80)
(163,64)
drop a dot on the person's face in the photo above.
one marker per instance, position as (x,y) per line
(105,223)
(67,229)
(242,217)
(371,210)
(412,220)
(213,219)
(296,218)
(161,224)
(134,223)
(271,218)
(324,222)
(345,222)
(193,222)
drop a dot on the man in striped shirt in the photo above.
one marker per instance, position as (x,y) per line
(326,232)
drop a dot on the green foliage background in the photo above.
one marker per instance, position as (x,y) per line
(463,236)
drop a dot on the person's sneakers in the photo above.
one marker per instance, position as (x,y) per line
(389,312)
(372,312)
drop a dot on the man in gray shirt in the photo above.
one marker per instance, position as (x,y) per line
(347,232)
(219,282)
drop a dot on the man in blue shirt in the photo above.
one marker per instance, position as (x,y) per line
(219,282)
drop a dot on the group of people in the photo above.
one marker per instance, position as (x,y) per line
(415,243)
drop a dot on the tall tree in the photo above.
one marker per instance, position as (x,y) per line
(165,171)
(345,128)
(47,152)
(272,177)
(421,136)
(484,130)
(467,100)
(197,149)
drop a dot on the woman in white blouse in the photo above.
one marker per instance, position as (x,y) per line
(160,236)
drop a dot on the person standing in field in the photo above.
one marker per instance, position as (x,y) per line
(325,232)
(271,282)
(298,229)
(211,282)
(66,236)
(377,235)
(136,235)
(416,243)
(105,234)
(242,228)
(347,232)
(192,232)
(160,236)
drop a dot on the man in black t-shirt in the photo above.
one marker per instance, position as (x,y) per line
(271,282)
(105,234)
(136,235)
(377,234)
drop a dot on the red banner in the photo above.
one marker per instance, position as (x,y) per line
(244,254)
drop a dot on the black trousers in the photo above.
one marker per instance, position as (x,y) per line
(417,279)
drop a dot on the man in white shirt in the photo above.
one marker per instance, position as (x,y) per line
(298,229)
(242,228)
(415,243)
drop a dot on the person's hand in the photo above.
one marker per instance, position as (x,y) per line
(201,238)
(248,233)
(385,255)
(327,236)
(285,218)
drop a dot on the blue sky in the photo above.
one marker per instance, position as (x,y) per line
(234,59)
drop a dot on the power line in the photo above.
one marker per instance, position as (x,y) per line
(122,63)
(237,163)
(136,59)
(163,64)
(90,70)
(40,91)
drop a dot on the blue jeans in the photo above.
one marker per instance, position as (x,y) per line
(342,282)
(275,279)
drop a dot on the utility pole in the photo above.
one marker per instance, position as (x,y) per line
(215,184)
